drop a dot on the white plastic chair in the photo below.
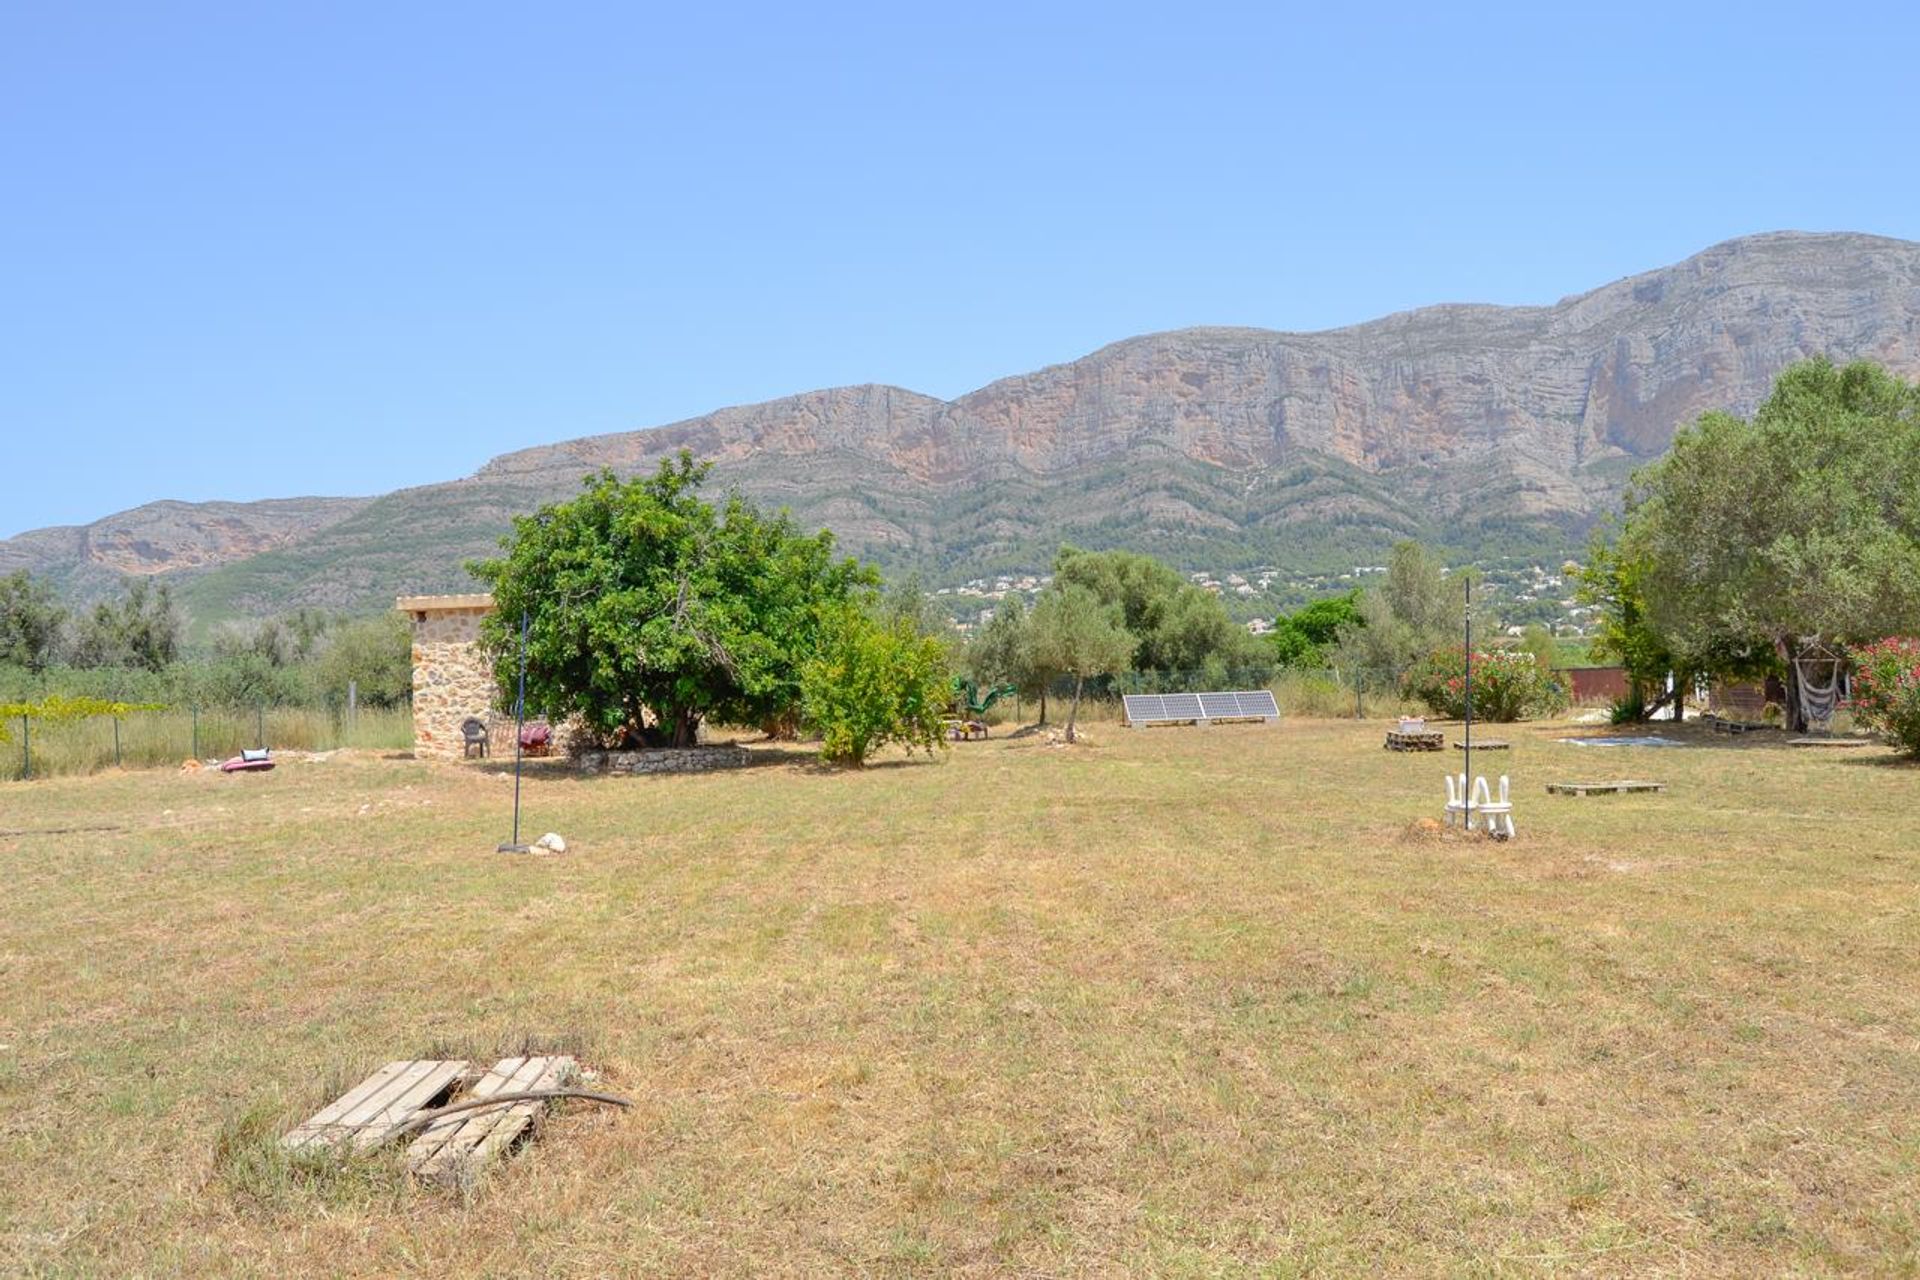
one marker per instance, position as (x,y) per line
(1457,799)
(1497,815)
(1476,804)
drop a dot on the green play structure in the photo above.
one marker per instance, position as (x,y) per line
(966,695)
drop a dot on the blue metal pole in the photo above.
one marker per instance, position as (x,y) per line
(519,720)
(1468,751)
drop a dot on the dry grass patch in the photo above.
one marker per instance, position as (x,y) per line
(1185,1002)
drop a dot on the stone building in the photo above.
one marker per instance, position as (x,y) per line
(451,680)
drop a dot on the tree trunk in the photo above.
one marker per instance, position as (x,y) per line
(1043,705)
(1795,718)
(686,728)
(1073,712)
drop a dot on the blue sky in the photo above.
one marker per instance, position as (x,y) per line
(262,250)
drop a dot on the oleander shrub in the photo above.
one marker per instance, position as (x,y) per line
(1507,685)
(1886,691)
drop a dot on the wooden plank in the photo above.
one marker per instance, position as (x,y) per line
(436,1135)
(324,1122)
(452,1160)
(1491,744)
(384,1099)
(1829,742)
(403,1106)
(454,1151)
(1602,788)
(510,1123)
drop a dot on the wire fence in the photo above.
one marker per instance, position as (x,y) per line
(36,748)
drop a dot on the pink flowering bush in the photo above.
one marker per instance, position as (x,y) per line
(1507,685)
(1886,691)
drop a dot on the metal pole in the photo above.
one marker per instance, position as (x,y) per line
(26,750)
(116,742)
(260,726)
(519,719)
(196,731)
(1468,751)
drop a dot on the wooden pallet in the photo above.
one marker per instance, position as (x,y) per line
(1601,788)
(1738,726)
(453,1150)
(1491,744)
(1397,741)
(368,1113)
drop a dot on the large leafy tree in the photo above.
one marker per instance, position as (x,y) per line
(371,654)
(1176,626)
(1401,621)
(31,621)
(1077,633)
(1305,638)
(649,611)
(141,630)
(1801,523)
(1001,651)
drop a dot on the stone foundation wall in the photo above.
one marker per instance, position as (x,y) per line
(451,679)
(665,760)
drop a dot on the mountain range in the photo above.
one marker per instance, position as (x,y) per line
(1485,430)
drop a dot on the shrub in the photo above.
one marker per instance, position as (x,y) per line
(1886,691)
(1631,709)
(1506,686)
(874,681)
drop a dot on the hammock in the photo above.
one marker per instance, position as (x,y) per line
(1818,669)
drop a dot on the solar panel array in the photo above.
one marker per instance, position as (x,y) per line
(1180,708)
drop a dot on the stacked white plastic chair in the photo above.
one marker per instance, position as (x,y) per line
(1476,805)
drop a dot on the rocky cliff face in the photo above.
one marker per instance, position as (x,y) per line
(1542,398)
(1478,427)
(169,538)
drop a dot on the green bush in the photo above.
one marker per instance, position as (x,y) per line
(874,681)
(1507,686)
(1886,691)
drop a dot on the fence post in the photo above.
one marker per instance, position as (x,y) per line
(196,731)
(260,726)
(116,742)
(26,750)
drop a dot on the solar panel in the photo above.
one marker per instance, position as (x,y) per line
(1220,706)
(1200,708)
(1183,706)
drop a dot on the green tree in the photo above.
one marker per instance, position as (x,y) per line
(649,611)
(31,622)
(1305,638)
(1537,642)
(874,681)
(373,654)
(1408,616)
(1077,633)
(1176,626)
(242,677)
(1754,537)
(140,630)
(1001,652)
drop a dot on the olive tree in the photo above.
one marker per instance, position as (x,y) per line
(1751,537)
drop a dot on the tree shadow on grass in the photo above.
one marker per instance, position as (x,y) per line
(1882,759)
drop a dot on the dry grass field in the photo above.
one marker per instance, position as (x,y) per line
(1181,1002)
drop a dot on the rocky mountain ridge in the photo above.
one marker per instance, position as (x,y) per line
(1481,428)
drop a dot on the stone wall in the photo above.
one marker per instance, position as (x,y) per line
(451,680)
(665,760)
